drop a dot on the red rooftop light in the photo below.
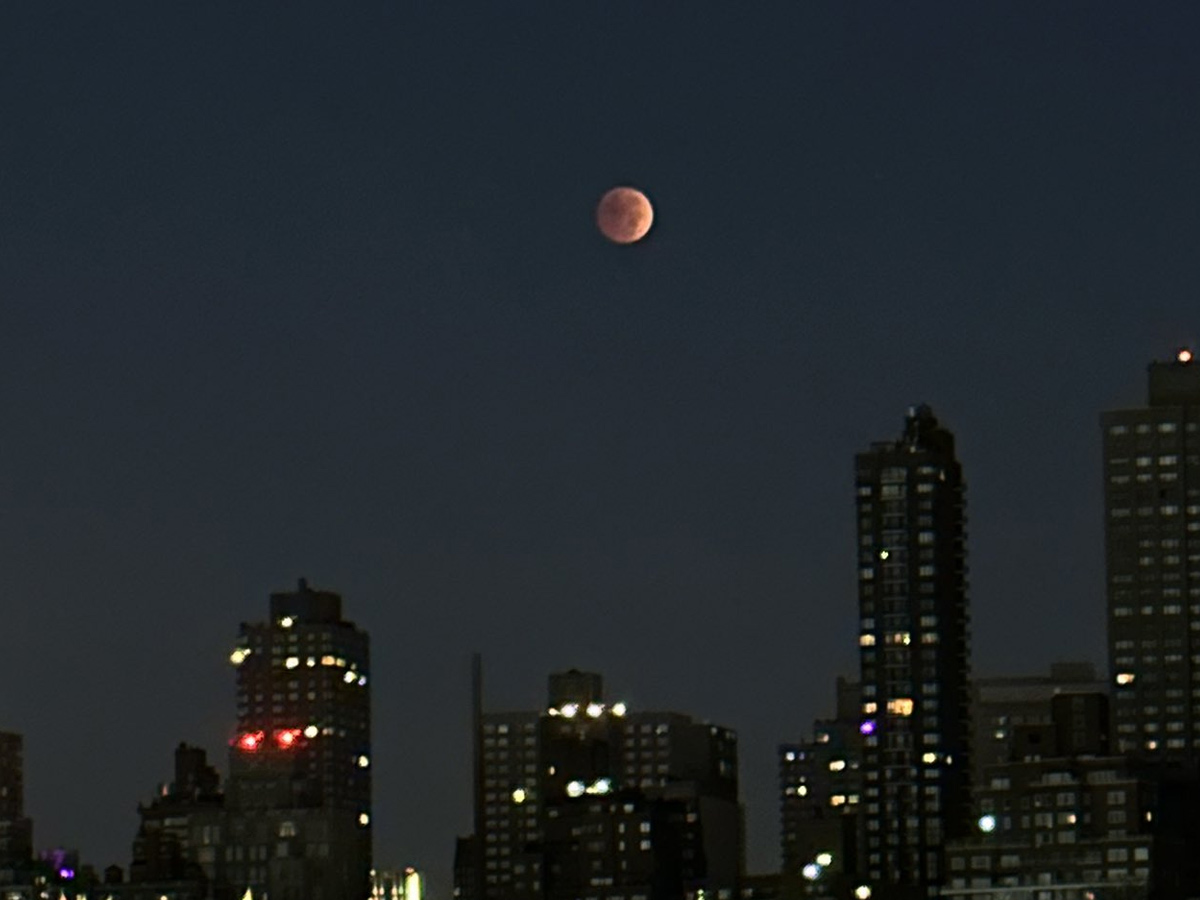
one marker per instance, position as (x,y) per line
(250,741)
(287,738)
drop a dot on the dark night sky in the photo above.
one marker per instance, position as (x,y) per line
(293,291)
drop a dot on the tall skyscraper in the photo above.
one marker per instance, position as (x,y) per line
(588,799)
(914,655)
(1152,553)
(299,791)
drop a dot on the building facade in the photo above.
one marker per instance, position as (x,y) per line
(586,798)
(914,655)
(16,829)
(1152,554)
(1011,710)
(298,801)
(820,793)
(180,829)
(1062,820)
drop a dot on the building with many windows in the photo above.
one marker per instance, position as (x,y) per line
(1061,820)
(298,800)
(820,790)
(588,798)
(1012,710)
(914,663)
(1152,553)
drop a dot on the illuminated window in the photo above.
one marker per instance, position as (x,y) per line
(866,640)
(901,706)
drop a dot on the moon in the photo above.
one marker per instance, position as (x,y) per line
(624,215)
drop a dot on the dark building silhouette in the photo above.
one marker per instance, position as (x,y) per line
(1152,554)
(180,829)
(914,655)
(298,803)
(588,799)
(820,784)
(16,830)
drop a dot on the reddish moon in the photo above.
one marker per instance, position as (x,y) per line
(624,215)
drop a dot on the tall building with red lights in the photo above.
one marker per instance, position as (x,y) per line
(299,793)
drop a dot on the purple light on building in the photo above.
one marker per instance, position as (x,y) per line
(867,727)
(66,874)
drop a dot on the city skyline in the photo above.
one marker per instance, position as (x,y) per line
(291,612)
(1178,356)
(321,294)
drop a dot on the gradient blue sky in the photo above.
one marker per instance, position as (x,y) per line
(290,289)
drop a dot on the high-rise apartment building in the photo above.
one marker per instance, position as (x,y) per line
(914,661)
(586,798)
(1152,553)
(299,793)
